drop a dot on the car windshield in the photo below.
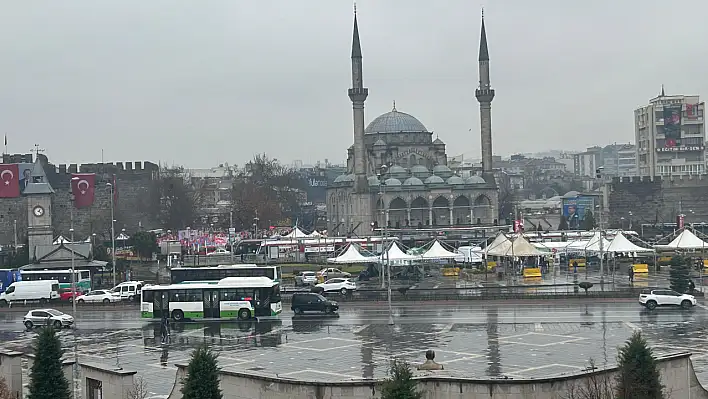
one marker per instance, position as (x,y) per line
(321,298)
(54,312)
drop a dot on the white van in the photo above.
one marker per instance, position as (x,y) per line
(40,290)
(129,290)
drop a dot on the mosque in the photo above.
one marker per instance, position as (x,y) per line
(398,175)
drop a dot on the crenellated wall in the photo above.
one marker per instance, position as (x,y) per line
(658,200)
(138,201)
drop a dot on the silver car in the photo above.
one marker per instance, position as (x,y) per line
(47,317)
(306,278)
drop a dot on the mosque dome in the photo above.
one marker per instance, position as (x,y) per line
(395,122)
(397,171)
(392,182)
(475,180)
(344,178)
(373,180)
(454,180)
(442,170)
(413,181)
(420,171)
(434,180)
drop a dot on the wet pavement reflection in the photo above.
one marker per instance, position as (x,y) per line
(472,339)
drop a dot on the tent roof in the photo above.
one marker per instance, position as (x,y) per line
(499,246)
(621,244)
(396,253)
(60,240)
(352,255)
(593,244)
(522,247)
(685,240)
(437,251)
(297,233)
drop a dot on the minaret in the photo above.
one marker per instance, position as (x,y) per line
(358,94)
(485,95)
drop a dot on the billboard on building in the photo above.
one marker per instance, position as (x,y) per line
(672,126)
(25,174)
(574,209)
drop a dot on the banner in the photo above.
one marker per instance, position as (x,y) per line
(574,210)
(672,125)
(10,181)
(25,175)
(692,111)
(83,186)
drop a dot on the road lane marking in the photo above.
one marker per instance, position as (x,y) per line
(446,329)
(359,329)
(632,326)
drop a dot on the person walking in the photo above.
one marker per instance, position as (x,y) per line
(631,274)
(164,329)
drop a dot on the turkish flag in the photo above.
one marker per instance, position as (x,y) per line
(9,180)
(83,186)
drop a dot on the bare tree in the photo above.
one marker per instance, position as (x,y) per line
(181,196)
(138,390)
(595,385)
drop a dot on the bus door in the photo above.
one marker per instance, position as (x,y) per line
(161,304)
(261,302)
(211,304)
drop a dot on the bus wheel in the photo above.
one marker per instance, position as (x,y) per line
(178,315)
(244,314)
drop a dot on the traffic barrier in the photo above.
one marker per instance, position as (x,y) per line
(491,265)
(665,259)
(640,268)
(451,271)
(579,261)
(532,272)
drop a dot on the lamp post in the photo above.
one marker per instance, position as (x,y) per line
(73,296)
(113,234)
(382,175)
(602,260)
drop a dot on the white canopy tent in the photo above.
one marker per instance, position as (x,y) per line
(437,251)
(61,240)
(395,253)
(621,244)
(685,240)
(122,237)
(593,244)
(315,234)
(297,233)
(522,247)
(352,255)
(499,246)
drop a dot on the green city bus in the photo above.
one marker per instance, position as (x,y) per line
(82,277)
(241,298)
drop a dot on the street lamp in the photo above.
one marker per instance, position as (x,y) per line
(113,234)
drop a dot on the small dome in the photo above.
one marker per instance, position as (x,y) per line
(454,180)
(373,180)
(438,142)
(434,180)
(443,171)
(420,171)
(397,171)
(571,194)
(395,122)
(413,181)
(380,143)
(475,180)
(392,182)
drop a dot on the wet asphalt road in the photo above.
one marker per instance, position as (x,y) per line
(529,339)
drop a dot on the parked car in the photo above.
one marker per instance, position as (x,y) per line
(343,285)
(219,251)
(129,290)
(67,294)
(41,290)
(306,278)
(331,272)
(102,296)
(311,302)
(651,298)
(47,317)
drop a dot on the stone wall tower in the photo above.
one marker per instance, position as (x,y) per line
(485,95)
(358,94)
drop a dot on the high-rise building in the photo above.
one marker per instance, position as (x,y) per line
(670,136)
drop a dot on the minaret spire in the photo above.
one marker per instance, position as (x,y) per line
(485,95)
(358,94)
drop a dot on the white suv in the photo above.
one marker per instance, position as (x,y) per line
(343,285)
(652,298)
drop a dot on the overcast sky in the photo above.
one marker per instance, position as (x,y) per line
(204,82)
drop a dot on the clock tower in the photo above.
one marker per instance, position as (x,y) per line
(39,213)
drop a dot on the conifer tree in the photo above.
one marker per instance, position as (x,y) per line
(47,380)
(400,383)
(202,380)
(680,274)
(638,376)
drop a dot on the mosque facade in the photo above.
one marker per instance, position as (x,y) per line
(397,174)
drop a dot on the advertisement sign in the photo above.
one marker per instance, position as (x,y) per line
(682,148)
(672,125)
(574,210)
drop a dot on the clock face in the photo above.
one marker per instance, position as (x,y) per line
(38,211)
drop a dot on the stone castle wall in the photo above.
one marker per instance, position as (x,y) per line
(137,206)
(659,200)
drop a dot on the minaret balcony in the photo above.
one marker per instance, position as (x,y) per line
(484,95)
(358,94)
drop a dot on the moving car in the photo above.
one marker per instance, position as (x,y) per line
(651,298)
(311,302)
(343,285)
(305,278)
(66,294)
(41,290)
(219,251)
(47,317)
(102,296)
(129,290)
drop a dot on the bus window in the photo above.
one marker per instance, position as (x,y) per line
(147,296)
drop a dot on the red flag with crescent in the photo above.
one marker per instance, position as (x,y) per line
(9,181)
(83,186)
